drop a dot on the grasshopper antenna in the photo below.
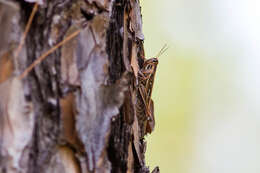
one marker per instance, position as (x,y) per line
(163,49)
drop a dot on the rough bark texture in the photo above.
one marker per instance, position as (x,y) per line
(79,110)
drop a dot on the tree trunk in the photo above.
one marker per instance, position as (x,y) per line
(78,110)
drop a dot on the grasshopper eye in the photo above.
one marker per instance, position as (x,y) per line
(155,60)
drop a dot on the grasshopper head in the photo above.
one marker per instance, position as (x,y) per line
(150,64)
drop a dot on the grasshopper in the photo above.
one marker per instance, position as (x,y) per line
(145,105)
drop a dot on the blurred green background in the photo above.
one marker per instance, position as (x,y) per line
(207,88)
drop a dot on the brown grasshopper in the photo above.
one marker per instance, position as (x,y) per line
(146,78)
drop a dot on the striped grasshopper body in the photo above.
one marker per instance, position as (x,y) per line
(145,106)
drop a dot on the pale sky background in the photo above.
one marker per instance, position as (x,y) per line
(207,90)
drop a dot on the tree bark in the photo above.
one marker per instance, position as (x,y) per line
(76,111)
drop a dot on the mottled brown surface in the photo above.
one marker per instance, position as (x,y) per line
(79,108)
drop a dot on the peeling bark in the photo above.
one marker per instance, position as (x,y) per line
(77,111)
